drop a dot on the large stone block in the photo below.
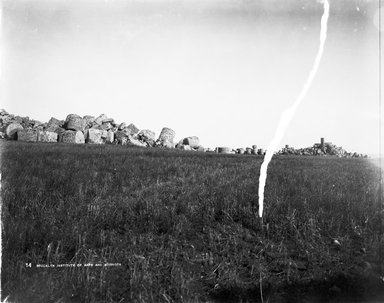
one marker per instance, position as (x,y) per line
(121,137)
(94,136)
(100,119)
(71,136)
(12,129)
(166,138)
(131,129)
(47,136)
(75,122)
(106,125)
(110,137)
(240,151)
(193,142)
(185,147)
(135,142)
(27,135)
(55,122)
(223,150)
(146,134)
(89,120)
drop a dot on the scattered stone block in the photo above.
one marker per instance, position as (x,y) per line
(147,136)
(12,129)
(89,120)
(121,137)
(71,136)
(54,121)
(101,119)
(185,147)
(166,138)
(122,126)
(193,142)
(47,136)
(132,129)
(135,142)
(94,136)
(75,122)
(27,135)
(110,137)
(106,126)
(223,150)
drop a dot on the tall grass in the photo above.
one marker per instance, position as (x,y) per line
(183,225)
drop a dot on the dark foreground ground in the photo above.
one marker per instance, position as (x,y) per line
(118,224)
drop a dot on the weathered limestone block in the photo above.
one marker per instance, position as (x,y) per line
(35,123)
(47,136)
(166,144)
(121,137)
(223,150)
(100,119)
(104,133)
(71,136)
(25,120)
(122,126)
(106,125)
(135,142)
(94,136)
(39,128)
(241,151)
(53,128)
(248,151)
(200,149)
(110,137)
(27,135)
(120,134)
(131,129)
(89,120)
(193,142)
(185,147)
(58,130)
(147,136)
(18,119)
(75,122)
(109,120)
(55,122)
(11,130)
(166,138)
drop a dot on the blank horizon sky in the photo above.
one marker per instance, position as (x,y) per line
(221,70)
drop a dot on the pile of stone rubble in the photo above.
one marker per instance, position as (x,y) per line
(104,130)
(91,130)
(321,149)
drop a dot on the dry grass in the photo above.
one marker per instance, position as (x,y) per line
(184,226)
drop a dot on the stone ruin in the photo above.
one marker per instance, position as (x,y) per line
(89,130)
(321,149)
(103,130)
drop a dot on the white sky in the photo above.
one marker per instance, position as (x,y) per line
(221,70)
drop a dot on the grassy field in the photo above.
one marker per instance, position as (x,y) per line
(118,224)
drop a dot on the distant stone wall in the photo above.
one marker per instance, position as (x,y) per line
(104,130)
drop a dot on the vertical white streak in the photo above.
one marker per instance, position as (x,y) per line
(288,114)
